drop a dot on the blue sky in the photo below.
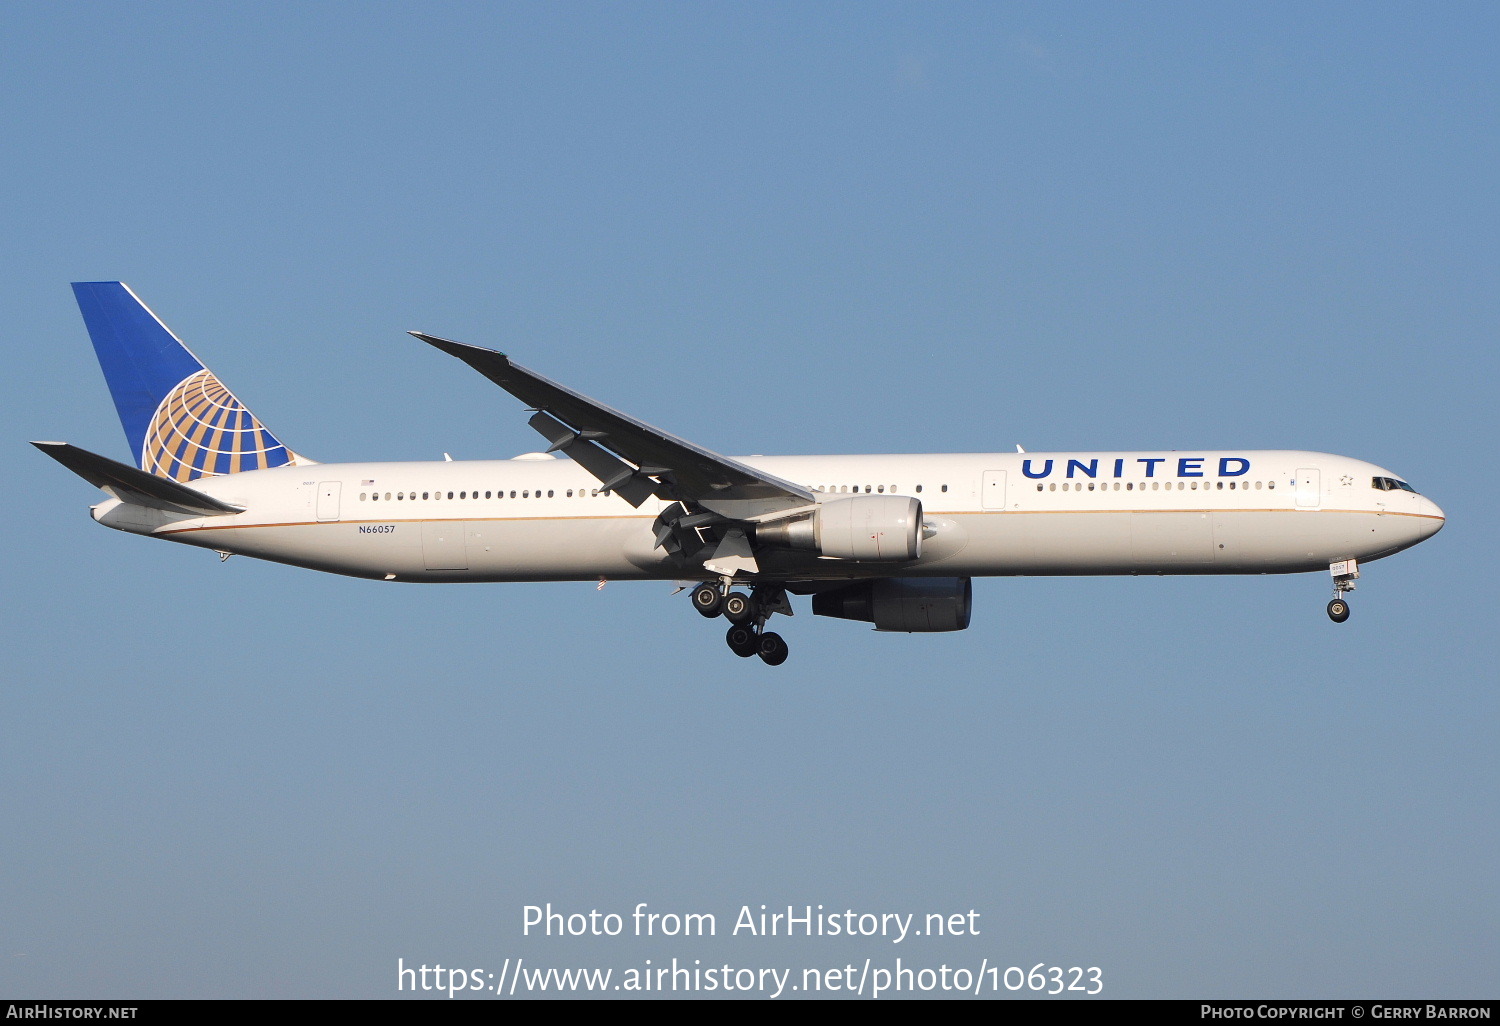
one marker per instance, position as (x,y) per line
(771,228)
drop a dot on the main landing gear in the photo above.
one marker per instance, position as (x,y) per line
(747,615)
(1344,573)
(708,600)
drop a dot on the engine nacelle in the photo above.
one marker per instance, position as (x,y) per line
(915,605)
(881,528)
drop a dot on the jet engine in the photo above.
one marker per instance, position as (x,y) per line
(916,605)
(885,528)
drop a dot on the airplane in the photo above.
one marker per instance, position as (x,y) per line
(892,540)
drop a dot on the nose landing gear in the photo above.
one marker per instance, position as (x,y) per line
(1344,573)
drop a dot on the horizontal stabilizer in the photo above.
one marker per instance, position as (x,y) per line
(128,484)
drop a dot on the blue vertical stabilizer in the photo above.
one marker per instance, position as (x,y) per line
(182,423)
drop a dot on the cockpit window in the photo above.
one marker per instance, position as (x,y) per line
(1391,484)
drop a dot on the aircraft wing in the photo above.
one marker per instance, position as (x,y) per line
(602,440)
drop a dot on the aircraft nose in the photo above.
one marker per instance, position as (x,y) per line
(1434,517)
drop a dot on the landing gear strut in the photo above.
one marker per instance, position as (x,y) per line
(747,615)
(1344,572)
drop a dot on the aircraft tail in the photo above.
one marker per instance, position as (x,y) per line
(182,423)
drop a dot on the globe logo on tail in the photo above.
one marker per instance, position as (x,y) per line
(201,430)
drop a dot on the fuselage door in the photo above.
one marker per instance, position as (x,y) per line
(1309,487)
(994,489)
(328,500)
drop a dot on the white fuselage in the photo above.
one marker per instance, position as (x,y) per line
(544,519)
